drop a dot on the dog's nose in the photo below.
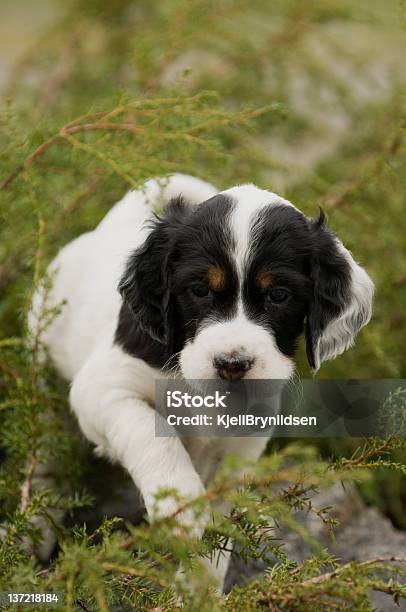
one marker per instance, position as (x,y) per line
(232,366)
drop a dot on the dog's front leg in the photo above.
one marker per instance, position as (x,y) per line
(122,426)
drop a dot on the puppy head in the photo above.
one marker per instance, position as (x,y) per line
(229,286)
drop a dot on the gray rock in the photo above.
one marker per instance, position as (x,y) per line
(363,533)
(370,535)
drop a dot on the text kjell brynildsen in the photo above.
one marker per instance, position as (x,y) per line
(179,399)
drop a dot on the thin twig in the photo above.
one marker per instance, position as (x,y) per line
(136,573)
(26,486)
(74,127)
(342,568)
(348,464)
(33,460)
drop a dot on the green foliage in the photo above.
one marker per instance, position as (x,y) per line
(230,91)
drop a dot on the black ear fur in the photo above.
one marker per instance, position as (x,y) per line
(144,286)
(331,276)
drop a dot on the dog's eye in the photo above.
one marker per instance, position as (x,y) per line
(278,295)
(200,290)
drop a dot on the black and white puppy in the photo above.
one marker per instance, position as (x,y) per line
(220,285)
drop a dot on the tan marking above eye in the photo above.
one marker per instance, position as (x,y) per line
(264,280)
(216,278)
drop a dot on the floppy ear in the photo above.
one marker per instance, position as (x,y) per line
(144,286)
(342,297)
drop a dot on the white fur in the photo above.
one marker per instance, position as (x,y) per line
(238,334)
(340,333)
(249,200)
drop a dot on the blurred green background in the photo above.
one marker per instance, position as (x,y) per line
(328,77)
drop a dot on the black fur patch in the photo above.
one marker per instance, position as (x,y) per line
(331,280)
(281,246)
(160,312)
